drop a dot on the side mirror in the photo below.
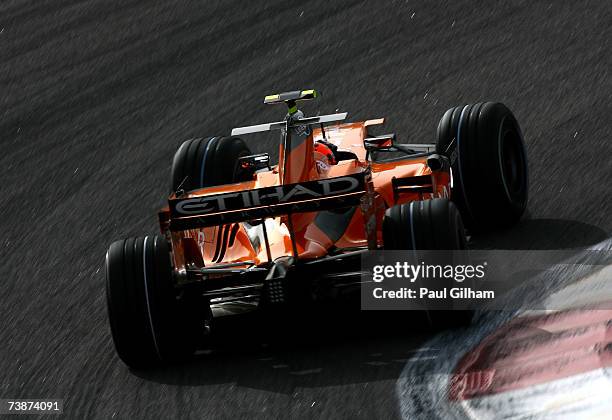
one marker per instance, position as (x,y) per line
(383,142)
(255,162)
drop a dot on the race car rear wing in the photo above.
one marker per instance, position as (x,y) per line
(212,210)
(322,119)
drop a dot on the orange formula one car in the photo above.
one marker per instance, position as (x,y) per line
(239,228)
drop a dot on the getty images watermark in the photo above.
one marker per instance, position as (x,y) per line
(493,279)
(435,272)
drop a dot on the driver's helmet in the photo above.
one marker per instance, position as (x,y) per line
(326,151)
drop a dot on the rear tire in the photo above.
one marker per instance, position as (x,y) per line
(149,325)
(490,177)
(428,225)
(424,225)
(206,162)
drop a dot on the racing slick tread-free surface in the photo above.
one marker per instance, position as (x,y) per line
(145,321)
(433,224)
(481,186)
(206,162)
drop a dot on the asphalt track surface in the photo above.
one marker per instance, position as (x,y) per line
(97,95)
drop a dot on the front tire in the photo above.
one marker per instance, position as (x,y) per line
(149,325)
(207,162)
(485,144)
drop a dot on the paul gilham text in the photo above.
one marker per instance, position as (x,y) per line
(425,293)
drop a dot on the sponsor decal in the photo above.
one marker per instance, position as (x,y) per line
(269,201)
(301,130)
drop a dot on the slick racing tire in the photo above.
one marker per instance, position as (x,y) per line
(485,145)
(149,325)
(424,225)
(428,225)
(206,162)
